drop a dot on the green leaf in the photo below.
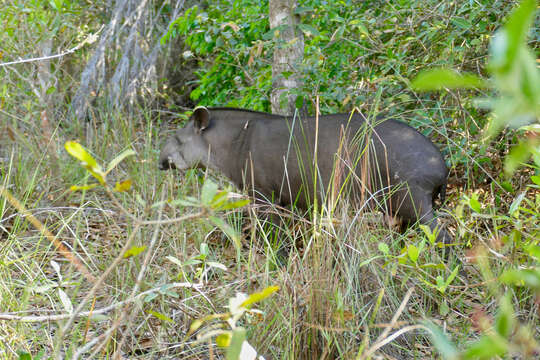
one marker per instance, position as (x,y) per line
(518,155)
(234,204)
(413,253)
(134,251)
(117,160)
(219,199)
(299,102)
(227,229)
(514,207)
(84,187)
(150,296)
(216,265)
(535,179)
(25,356)
(461,23)
(475,205)
(174,260)
(505,321)
(188,202)
(122,186)
(208,191)
(431,235)
(452,276)
(507,41)
(259,296)
(224,340)
(438,79)
(160,316)
(308,30)
(87,161)
(441,342)
(486,348)
(383,248)
(444,309)
(533,251)
(195,325)
(527,277)
(303,9)
(235,347)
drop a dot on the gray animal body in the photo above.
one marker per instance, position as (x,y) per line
(284,159)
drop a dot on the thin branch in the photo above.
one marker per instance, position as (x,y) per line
(390,338)
(90,313)
(89,40)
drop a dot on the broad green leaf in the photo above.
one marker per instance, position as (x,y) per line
(461,23)
(88,162)
(216,265)
(303,9)
(234,204)
(204,250)
(150,296)
(441,342)
(444,309)
(413,253)
(208,191)
(518,155)
(507,41)
(506,320)
(219,199)
(235,347)
(259,296)
(431,235)
(224,340)
(475,205)
(514,207)
(299,102)
(383,248)
(440,283)
(84,187)
(25,356)
(66,302)
(188,201)
(523,277)
(190,262)
(175,261)
(117,160)
(160,316)
(487,348)
(308,30)
(452,276)
(534,251)
(227,229)
(134,251)
(195,325)
(437,79)
(122,186)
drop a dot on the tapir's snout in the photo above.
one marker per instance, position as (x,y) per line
(170,155)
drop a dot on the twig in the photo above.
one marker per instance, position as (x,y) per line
(104,310)
(384,339)
(89,39)
(390,338)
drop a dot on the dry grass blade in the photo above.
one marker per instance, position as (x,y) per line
(50,236)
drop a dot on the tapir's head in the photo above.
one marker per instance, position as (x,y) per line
(187,148)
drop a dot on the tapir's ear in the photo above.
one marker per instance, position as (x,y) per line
(201,118)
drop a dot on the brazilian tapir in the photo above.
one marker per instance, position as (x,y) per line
(282,158)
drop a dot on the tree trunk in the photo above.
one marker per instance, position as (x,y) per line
(288,53)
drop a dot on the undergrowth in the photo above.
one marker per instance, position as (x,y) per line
(347,281)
